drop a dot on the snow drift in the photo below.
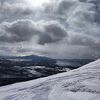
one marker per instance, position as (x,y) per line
(79,84)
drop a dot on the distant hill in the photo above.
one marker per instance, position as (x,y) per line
(22,68)
(29,60)
(31,57)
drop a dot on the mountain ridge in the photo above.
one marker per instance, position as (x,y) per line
(79,84)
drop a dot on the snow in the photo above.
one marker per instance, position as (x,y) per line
(79,84)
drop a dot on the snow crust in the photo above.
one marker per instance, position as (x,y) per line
(79,84)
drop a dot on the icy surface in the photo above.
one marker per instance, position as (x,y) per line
(79,84)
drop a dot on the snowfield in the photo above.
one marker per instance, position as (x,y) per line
(79,84)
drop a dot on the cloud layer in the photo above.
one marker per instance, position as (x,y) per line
(72,26)
(25,30)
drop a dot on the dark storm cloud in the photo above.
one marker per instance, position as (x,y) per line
(25,30)
(65,6)
(53,32)
(21,30)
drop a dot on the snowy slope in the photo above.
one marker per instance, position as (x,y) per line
(79,84)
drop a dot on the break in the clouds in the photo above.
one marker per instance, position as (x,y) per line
(58,28)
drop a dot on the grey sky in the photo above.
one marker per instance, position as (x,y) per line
(58,28)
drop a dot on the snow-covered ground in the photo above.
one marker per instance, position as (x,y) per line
(79,84)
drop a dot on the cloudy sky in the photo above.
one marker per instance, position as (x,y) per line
(54,28)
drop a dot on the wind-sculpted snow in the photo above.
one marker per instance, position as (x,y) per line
(79,84)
